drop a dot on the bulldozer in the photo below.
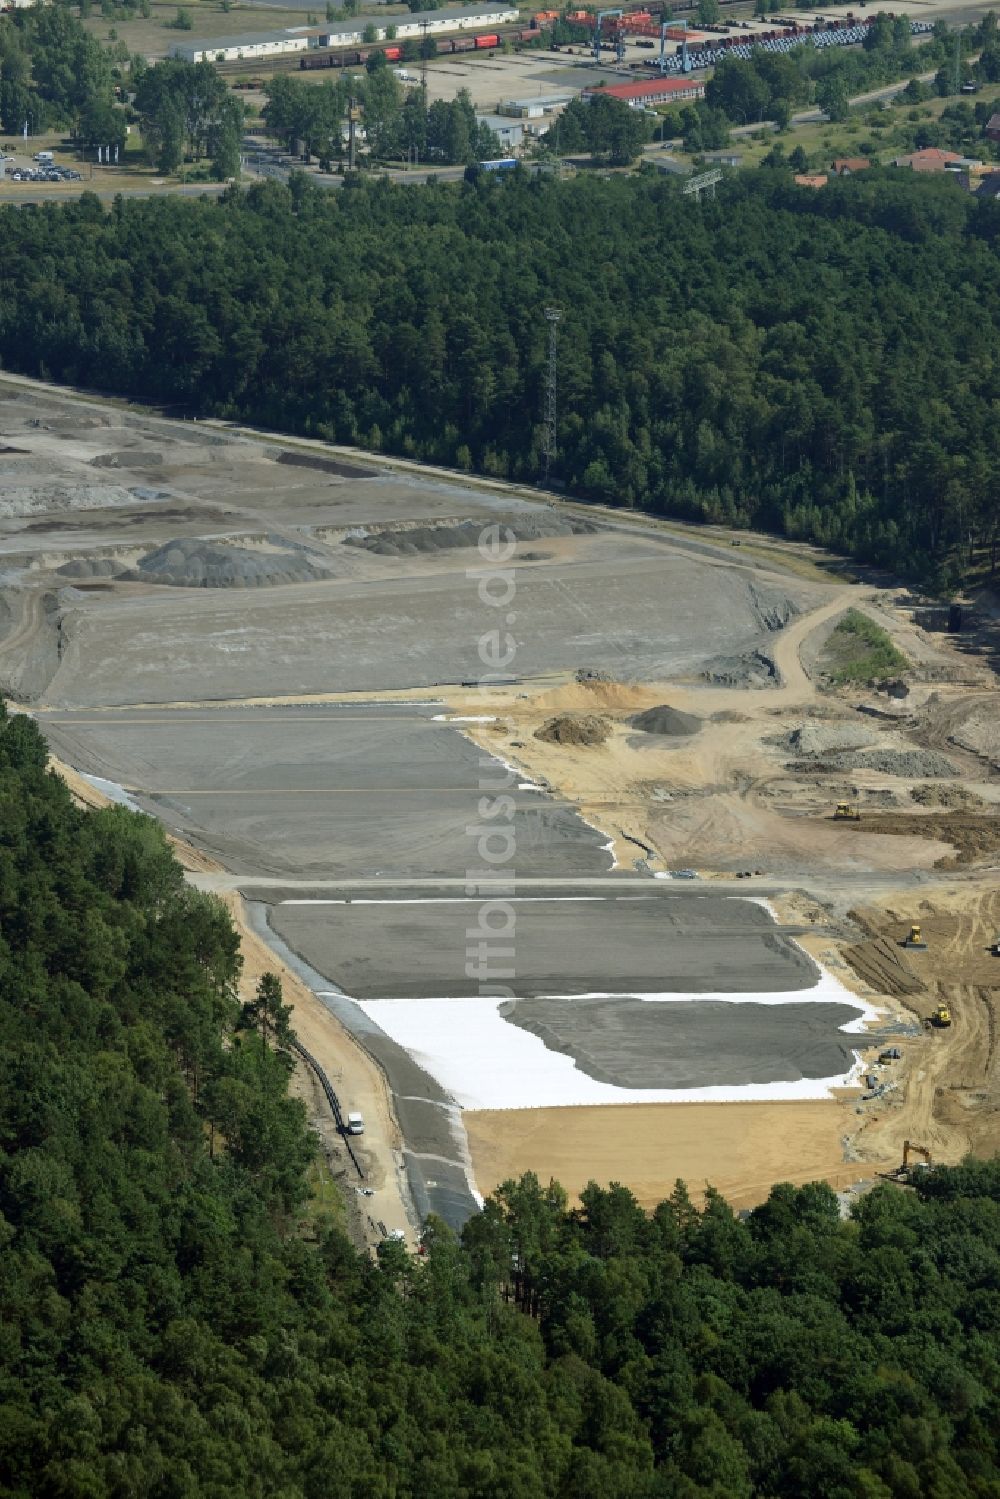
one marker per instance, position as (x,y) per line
(940,1018)
(915,939)
(902,1173)
(844,812)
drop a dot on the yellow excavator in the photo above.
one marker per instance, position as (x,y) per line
(844,812)
(902,1173)
(940,1018)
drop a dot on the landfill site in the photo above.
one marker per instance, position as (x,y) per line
(581,841)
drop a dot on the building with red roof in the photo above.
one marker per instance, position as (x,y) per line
(651,91)
(932,159)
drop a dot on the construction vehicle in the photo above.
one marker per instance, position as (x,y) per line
(915,939)
(902,1173)
(939,1018)
(844,812)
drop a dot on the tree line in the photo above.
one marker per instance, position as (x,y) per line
(178,1318)
(399,123)
(823,365)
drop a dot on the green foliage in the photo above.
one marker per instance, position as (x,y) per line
(183,20)
(824,365)
(174,1321)
(861,650)
(606,128)
(187,106)
(53,73)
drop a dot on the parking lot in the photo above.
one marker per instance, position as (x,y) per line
(38,167)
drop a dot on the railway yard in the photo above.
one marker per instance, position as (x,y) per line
(573,900)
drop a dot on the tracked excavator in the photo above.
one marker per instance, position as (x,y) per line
(902,1173)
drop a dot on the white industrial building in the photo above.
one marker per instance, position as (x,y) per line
(343,34)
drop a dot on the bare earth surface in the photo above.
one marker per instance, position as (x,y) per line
(273,646)
(740,1149)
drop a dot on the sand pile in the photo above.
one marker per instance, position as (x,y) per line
(579,729)
(193,563)
(670,722)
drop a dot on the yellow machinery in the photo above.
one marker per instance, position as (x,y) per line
(846,813)
(910,1149)
(915,939)
(901,1174)
(941,1017)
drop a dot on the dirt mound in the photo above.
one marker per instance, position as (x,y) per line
(419,540)
(568,728)
(880,963)
(980,733)
(971,837)
(954,797)
(193,563)
(670,722)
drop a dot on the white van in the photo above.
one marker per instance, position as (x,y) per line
(45,157)
(355,1124)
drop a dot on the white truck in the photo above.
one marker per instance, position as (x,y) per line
(355,1124)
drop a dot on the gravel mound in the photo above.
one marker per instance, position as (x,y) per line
(323,465)
(417,540)
(90,567)
(41,499)
(752,669)
(819,739)
(580,728)
(128,459)
(668,721)
(192,563)
(954,797)
(915,763)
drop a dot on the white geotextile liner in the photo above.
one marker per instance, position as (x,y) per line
(486,1062)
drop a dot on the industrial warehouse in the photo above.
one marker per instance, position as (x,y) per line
(344,34)
(650,91)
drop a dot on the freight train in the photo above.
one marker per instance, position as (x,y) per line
(484,41)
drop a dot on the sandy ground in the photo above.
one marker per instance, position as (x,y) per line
(740,1149)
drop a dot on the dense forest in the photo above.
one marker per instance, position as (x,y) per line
(175,1319)
(821,364)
